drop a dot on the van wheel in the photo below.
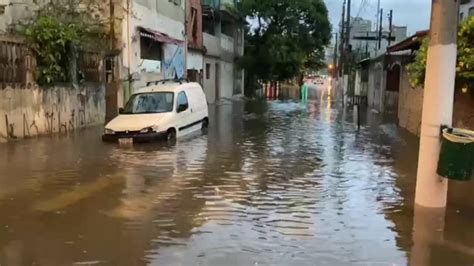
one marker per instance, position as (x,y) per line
(171,135)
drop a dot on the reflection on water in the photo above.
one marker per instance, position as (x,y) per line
(277,183)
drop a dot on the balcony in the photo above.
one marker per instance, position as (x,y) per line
(212,44)
(227,43)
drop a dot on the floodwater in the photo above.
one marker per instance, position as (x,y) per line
(270,184)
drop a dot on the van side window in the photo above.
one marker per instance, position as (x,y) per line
(182,101)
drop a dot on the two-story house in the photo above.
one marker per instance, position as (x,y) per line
(153,37)
(195,53)
(223,37)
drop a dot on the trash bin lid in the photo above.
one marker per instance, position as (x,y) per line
(458,135)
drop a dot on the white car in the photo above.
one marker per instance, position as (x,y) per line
(167,110)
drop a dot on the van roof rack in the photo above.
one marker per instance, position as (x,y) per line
(163,81)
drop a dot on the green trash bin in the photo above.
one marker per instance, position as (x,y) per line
(456,158)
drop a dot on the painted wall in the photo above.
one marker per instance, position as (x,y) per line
(226,86)
(209,84)
(41,111)
(376,86)
(195,60)
(410,106)
(464,109)
(162,16)
(15,12)
(212,44)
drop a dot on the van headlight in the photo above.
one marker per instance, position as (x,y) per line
(108,131)
(151,129)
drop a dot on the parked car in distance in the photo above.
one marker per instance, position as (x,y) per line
(165,111)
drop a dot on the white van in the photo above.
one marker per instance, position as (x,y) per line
(166,111)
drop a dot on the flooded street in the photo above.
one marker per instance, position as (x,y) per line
(270,184)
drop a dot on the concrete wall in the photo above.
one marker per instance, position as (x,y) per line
(464,109)
(226,87)
(376,87)
(195,60)
(39,111)
(227,43)
(171,10)
(212,44)
(209,84)
(410,105)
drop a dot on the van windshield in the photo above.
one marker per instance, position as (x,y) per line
(149,103)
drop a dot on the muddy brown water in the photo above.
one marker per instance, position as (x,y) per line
(270,184)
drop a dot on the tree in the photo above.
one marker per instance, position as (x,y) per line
(285,37)
(57,30)
(465,56)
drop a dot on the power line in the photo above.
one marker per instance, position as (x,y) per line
(362,5)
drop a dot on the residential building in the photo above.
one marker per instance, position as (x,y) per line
(466,9)
(224,42)
(195,54)
(153,39)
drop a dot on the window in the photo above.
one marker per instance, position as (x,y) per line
(227,28)
(151,55)
(208,26)
(471,12)
(194,24)
(182,101)
(461,16)
(149,103)
(208,71)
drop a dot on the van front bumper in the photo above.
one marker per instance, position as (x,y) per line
(137,137)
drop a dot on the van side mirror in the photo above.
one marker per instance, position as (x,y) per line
(182,107)
(121,110)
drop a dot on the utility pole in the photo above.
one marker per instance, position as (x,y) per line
(377,16)
(342,45)
(438,98)
(347,53)
(390,21)
(348,26)
(334,74)
(367,45)
(380,28)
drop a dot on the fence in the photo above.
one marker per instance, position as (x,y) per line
(14,61)
(17,64)
(91,66)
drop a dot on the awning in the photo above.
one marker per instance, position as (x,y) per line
(159,36)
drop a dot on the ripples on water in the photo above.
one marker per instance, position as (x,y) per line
(270,184)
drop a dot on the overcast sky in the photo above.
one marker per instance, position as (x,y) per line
(412,13)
